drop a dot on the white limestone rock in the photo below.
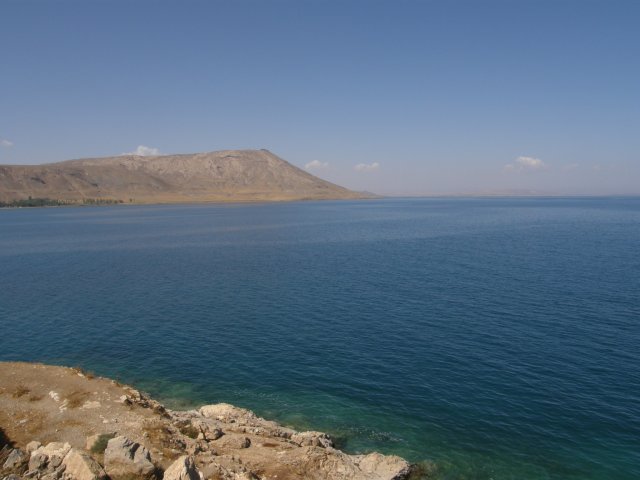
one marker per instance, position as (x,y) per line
(80,466)
(125,459)
(184,468)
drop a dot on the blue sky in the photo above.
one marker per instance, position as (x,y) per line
(396,97)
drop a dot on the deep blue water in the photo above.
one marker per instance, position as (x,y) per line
(497,338)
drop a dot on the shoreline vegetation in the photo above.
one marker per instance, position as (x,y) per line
(60,422)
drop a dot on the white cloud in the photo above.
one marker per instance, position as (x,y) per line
(5,143)
(526,164)
(144,151)
(316,165)
(367,167)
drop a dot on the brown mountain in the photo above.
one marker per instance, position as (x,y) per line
(226,176)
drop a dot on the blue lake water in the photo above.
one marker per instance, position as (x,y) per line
(496,338)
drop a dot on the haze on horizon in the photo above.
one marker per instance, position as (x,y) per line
(404,98)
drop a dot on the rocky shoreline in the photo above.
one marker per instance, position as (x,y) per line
(61,423)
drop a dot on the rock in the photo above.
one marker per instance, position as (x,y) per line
(227,413)
(13,476)
(125,459)
(16,458)
(80,466)
(213,469)
(38,461)
(56,474)
(31,446)
(312,439)
(47,461)
(244,476)
(184,468)
(383,467)
(54,452)
(54,462)
(210,435)
(235,441)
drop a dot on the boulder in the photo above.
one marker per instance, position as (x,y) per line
(125,459)
(38,461)
(227,413)
(80,466)
(15,458)
(184,468)
(31,446)
(383,467)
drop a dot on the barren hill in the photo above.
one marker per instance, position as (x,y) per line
(225,176)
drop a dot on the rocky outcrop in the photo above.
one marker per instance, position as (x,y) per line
(48,459)
(130,436)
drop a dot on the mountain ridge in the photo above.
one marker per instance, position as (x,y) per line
(219,176)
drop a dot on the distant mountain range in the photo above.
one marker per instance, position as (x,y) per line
(225,176)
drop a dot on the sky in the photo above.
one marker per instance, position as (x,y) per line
(396,97)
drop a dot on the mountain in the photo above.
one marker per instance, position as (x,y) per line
(225,176)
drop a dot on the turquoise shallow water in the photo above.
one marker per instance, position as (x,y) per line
(496,338)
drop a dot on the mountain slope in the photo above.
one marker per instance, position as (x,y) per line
(230,175)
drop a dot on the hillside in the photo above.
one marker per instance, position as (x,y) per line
(225,176)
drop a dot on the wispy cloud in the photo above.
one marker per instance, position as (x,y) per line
(571,166)
(367,167)
(144,151)
(526,164)
(316,165)
(5,143)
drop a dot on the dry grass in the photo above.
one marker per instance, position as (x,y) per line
(158,434)
(101,444)
(20,391)
(77,399)
(189,430)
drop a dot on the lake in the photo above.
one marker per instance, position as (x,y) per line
(494,338)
